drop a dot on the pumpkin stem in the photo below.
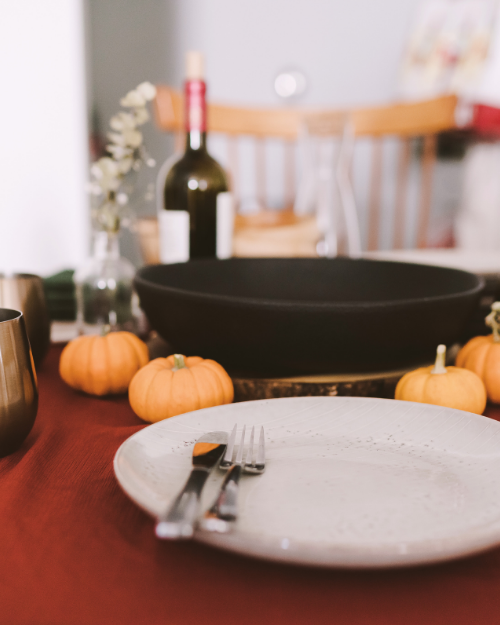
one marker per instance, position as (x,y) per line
(440,360)
(493,320)
(179,362)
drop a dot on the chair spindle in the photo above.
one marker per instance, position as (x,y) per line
(289,178)
(233,168)
(428,161)
(401,192)
(260,172)
(375,195)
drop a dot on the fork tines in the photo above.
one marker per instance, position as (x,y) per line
(251,465)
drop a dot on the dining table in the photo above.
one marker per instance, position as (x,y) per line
(75,550)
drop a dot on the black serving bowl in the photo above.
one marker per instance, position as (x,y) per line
(298,316)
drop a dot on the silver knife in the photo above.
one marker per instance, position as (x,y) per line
(179,521)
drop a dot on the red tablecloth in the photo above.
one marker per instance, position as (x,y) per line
(75,550)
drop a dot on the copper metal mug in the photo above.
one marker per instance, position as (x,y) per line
(18,385)
(24,292)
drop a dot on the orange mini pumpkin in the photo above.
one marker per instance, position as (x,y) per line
(102,365)
(443,386)
(171,386)
(482,355)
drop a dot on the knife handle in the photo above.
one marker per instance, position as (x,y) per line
(224,512)
(180,519)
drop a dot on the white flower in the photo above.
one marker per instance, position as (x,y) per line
(93,188)
(109,184)
(106,173)
(119,151)
(147,90)
(117,138)
(123,121)
(133,138)
(126,152)
(141,116)
(104,167)
(133,98)
(125,165)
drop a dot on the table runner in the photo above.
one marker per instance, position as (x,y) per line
(75,550)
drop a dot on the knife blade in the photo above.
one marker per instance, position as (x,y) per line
(179,520)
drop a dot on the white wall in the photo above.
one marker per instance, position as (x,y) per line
(43,156)
(350,50)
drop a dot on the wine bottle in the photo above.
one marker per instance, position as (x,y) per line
(195,219)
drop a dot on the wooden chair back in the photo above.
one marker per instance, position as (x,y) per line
(404,121)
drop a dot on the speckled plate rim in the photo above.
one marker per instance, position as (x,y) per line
(325,555)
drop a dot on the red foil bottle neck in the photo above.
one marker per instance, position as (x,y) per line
(196,108)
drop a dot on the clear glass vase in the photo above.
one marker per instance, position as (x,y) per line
(104,290)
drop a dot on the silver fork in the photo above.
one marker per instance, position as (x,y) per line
(224,512)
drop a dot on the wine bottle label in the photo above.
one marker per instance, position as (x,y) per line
(225,225)
(174,236)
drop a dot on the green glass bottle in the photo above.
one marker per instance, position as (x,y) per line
(195,220)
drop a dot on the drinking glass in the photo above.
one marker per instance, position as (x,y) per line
(18,385)
(24,292)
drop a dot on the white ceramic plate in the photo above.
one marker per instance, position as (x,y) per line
(349,482)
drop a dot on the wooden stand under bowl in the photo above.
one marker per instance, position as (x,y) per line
(348,385)
(380,384)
